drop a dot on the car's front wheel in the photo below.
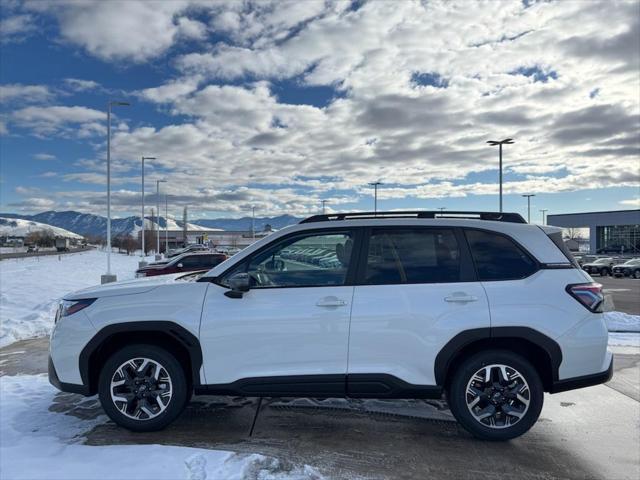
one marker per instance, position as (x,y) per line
(496,395)
(636,273)
(143,388)
(604,272)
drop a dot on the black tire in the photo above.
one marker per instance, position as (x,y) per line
(636,273)
(457,395)
(177,381)
(604,272)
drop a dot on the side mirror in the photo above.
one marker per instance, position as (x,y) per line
(239,283)
(179,265)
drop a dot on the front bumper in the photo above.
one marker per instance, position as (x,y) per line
(65,387)
(583,381)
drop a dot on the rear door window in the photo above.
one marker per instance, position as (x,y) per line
(412,256)
(497,257)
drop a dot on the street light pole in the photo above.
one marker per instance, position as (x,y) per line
(253,222)
(375,196)
(166,223)
(158,182)
(442,209)
(108,277)
(493,143)
(529,195)
(143,263)
(544,216)
(324,203)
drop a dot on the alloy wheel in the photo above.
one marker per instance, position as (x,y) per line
(141,388)
(498,396)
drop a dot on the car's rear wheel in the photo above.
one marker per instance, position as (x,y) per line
(604,272)
(143,388)
(636,273)
(496,395)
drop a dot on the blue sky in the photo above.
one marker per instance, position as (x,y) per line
(282,104)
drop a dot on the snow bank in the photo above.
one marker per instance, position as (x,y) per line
(622,322)
(21,228)
(38,443)
(31,287)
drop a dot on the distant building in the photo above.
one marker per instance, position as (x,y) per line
(611,232)
(214,238)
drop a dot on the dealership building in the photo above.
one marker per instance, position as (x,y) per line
(615,231)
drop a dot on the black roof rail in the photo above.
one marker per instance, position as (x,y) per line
(493,216)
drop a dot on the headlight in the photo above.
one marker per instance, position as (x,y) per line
(69,307)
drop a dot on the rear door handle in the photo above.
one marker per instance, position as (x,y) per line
(460,298)
(331,302)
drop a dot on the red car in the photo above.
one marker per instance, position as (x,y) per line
(187,262)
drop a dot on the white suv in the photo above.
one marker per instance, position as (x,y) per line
(480,306)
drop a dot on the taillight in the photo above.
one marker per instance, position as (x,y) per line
(588,294)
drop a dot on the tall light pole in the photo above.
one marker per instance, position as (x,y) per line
(253,222)
(529,195)
(166,223)
(375,196)
(158,182)
(442,209)
(544,215)
(143,263)
(324,203)
(493,143)
(108,277)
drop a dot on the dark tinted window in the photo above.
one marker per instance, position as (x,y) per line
(412,256)
(194,261)
(497,258)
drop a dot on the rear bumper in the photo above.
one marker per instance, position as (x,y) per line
(62,386)
(583,381)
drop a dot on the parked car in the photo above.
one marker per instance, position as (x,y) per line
(630,268)
(32,249)
(187,262)
(600,266)
(489,309)
(196,247)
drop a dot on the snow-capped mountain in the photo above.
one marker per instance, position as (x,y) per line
(17,227)
(87,224)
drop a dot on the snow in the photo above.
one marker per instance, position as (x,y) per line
(41,442)
(17,227)
(31,287)
(622,322)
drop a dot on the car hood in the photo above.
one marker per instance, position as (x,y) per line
(124,287)
(595,265)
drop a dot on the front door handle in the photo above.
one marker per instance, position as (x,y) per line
(460,297)
(331,302)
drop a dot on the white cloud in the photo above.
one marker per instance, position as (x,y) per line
(16,27)
(15,92)
(61,120)
(80,85)
(44,156)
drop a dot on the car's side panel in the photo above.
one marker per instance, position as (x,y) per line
(399,329)
(68,338)
(541,302)
(273,332)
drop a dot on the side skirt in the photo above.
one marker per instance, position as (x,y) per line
(353,385)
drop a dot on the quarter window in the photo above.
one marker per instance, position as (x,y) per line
(497,257)
(412,256)
(317,260)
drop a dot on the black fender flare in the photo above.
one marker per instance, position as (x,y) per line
(448,353)
(186,339)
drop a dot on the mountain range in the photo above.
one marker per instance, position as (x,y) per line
(87,224)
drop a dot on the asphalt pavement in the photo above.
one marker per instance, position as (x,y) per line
(625,293)
(591,433)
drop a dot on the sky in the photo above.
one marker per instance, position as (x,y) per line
(281,104)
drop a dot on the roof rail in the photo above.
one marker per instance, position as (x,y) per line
(493,216)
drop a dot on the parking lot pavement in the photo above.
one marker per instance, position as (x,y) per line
(625,293)
(588,433)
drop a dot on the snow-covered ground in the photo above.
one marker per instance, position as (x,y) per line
(36,442)
(31,287)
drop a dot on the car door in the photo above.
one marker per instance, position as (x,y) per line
(416,290)
(289,332)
